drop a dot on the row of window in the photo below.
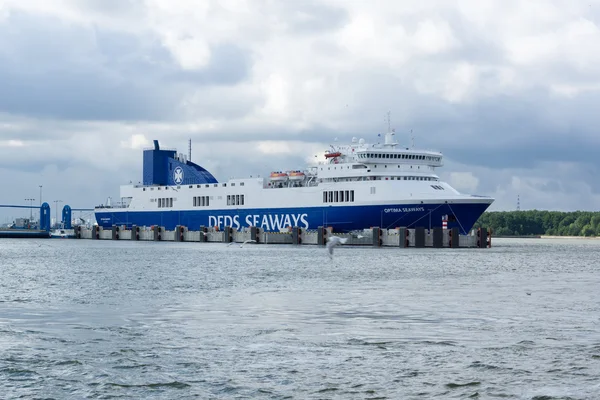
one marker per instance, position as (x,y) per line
(332,196)
(232,200)
(198,186)
(201,201)
(401,178)
(165,202)
(374,166)
(235,200)
(338,196)
(399,156)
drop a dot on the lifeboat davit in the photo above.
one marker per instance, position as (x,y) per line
(296,175)
(279,176)
(332,155)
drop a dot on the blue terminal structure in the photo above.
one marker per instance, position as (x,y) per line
(42,228)
(41,231)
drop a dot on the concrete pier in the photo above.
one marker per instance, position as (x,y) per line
(401,237)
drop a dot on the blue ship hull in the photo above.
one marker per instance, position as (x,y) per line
(340,218)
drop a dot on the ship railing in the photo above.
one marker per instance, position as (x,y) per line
(115,205)
(161,148)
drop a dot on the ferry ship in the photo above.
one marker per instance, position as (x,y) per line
(357,187)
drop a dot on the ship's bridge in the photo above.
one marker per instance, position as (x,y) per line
(359,171)
(388,152)
(393,156)
(359,161)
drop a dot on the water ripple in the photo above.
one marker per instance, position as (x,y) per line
(86,319)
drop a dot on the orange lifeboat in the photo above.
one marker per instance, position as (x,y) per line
(333,155)
(278,176)
(296,175)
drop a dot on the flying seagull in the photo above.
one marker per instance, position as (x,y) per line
(247,241)
(333,241)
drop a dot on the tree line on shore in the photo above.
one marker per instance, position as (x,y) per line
(534,222)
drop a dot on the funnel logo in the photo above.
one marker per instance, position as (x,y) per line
(178,175)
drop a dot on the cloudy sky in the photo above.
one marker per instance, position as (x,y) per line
(507,90)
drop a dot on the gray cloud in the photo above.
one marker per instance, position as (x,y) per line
(72,72)
(112,7)
(45,77)
(311,17)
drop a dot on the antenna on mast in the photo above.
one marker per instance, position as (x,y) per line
(190,150)
(518,202)
(412,140)
(388,121)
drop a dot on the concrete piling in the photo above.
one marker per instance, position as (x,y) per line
(228,236)
(482,238)
(403,240)
(454,238)
(438,237)
(157,233)
(419,237)
(321,236)
(180,233)
(402,237)
(377,241)
(296,232)
(255,234)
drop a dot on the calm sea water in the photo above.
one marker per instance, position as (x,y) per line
(87,319)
